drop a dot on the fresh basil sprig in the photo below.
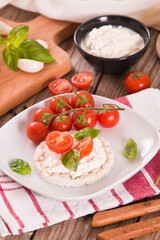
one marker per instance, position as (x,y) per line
(70,159)
(18,46)
(85,132)
(130,149)
(20,166)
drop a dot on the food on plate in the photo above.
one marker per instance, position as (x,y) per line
(82,80)
(20,166)
(82,99)
(84,118)
(62,123)
(130,149)
(85,146)
(59,104)
(30,66)
(44,115)
(88,170)
(36,132)
(60,86)
(17,46)
(136,81)
(112,42)
(108,119)
(59,142)
(85,132)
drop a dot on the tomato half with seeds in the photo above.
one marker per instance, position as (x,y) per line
(36,132)
(82,80)
(88,118)
(38,115)
(85,146)
(59,142)
(108,119)
(60,125)
(61,105)
(136,81)
(60,86)
(81,101)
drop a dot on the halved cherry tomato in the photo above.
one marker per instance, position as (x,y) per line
(38,115)
(53,104)
(82,100)
(36,131)
(85,146)
(82,80)
(90,116)
(60,86)
(59,142)
(60,125)
(136,81)
(108,119)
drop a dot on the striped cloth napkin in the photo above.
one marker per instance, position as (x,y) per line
(22,210)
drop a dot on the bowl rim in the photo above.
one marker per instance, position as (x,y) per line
(113,59)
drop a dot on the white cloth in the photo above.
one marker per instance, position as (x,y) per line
(146,11)
(22,210)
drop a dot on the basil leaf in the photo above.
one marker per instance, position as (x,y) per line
(70,159)
(31,49)
(130,149)
(10,57)
(17,35)
(19,166)
(85,132)
(1,41)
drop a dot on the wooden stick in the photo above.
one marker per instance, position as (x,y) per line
(127,212)
(132,230)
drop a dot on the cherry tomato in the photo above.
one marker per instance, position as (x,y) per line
(38,115)
(108,119)
(59,142)
(91,119)
(36,131)
(136,81)
(60,125)
(53,104)
(83,98)
(60,86)
(82,80)
(85,146)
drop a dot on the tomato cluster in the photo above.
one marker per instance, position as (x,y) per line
(62,114)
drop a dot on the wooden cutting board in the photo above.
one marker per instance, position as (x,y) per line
(16,87)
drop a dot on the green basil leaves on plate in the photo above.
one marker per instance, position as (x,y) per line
(130,149)
(70,159)
(85,132)
(20,166)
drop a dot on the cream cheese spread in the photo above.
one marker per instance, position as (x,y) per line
(112,42)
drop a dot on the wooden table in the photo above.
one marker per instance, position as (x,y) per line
(106,85)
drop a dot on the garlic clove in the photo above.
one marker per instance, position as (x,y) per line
(30,66)
(43,43)
(4,28)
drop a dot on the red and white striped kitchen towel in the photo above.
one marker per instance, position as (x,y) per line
(21,210)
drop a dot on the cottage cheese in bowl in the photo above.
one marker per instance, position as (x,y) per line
(112,42)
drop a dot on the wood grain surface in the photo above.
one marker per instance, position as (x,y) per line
(111,86)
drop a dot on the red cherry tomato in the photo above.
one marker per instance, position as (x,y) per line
(108,119)
(59,142)
(36,131)
(53,104)
(91,119)
(83,97)
(60,86)
(38,115)
(60,125)
(136,81)
(82,80)
(85,146)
